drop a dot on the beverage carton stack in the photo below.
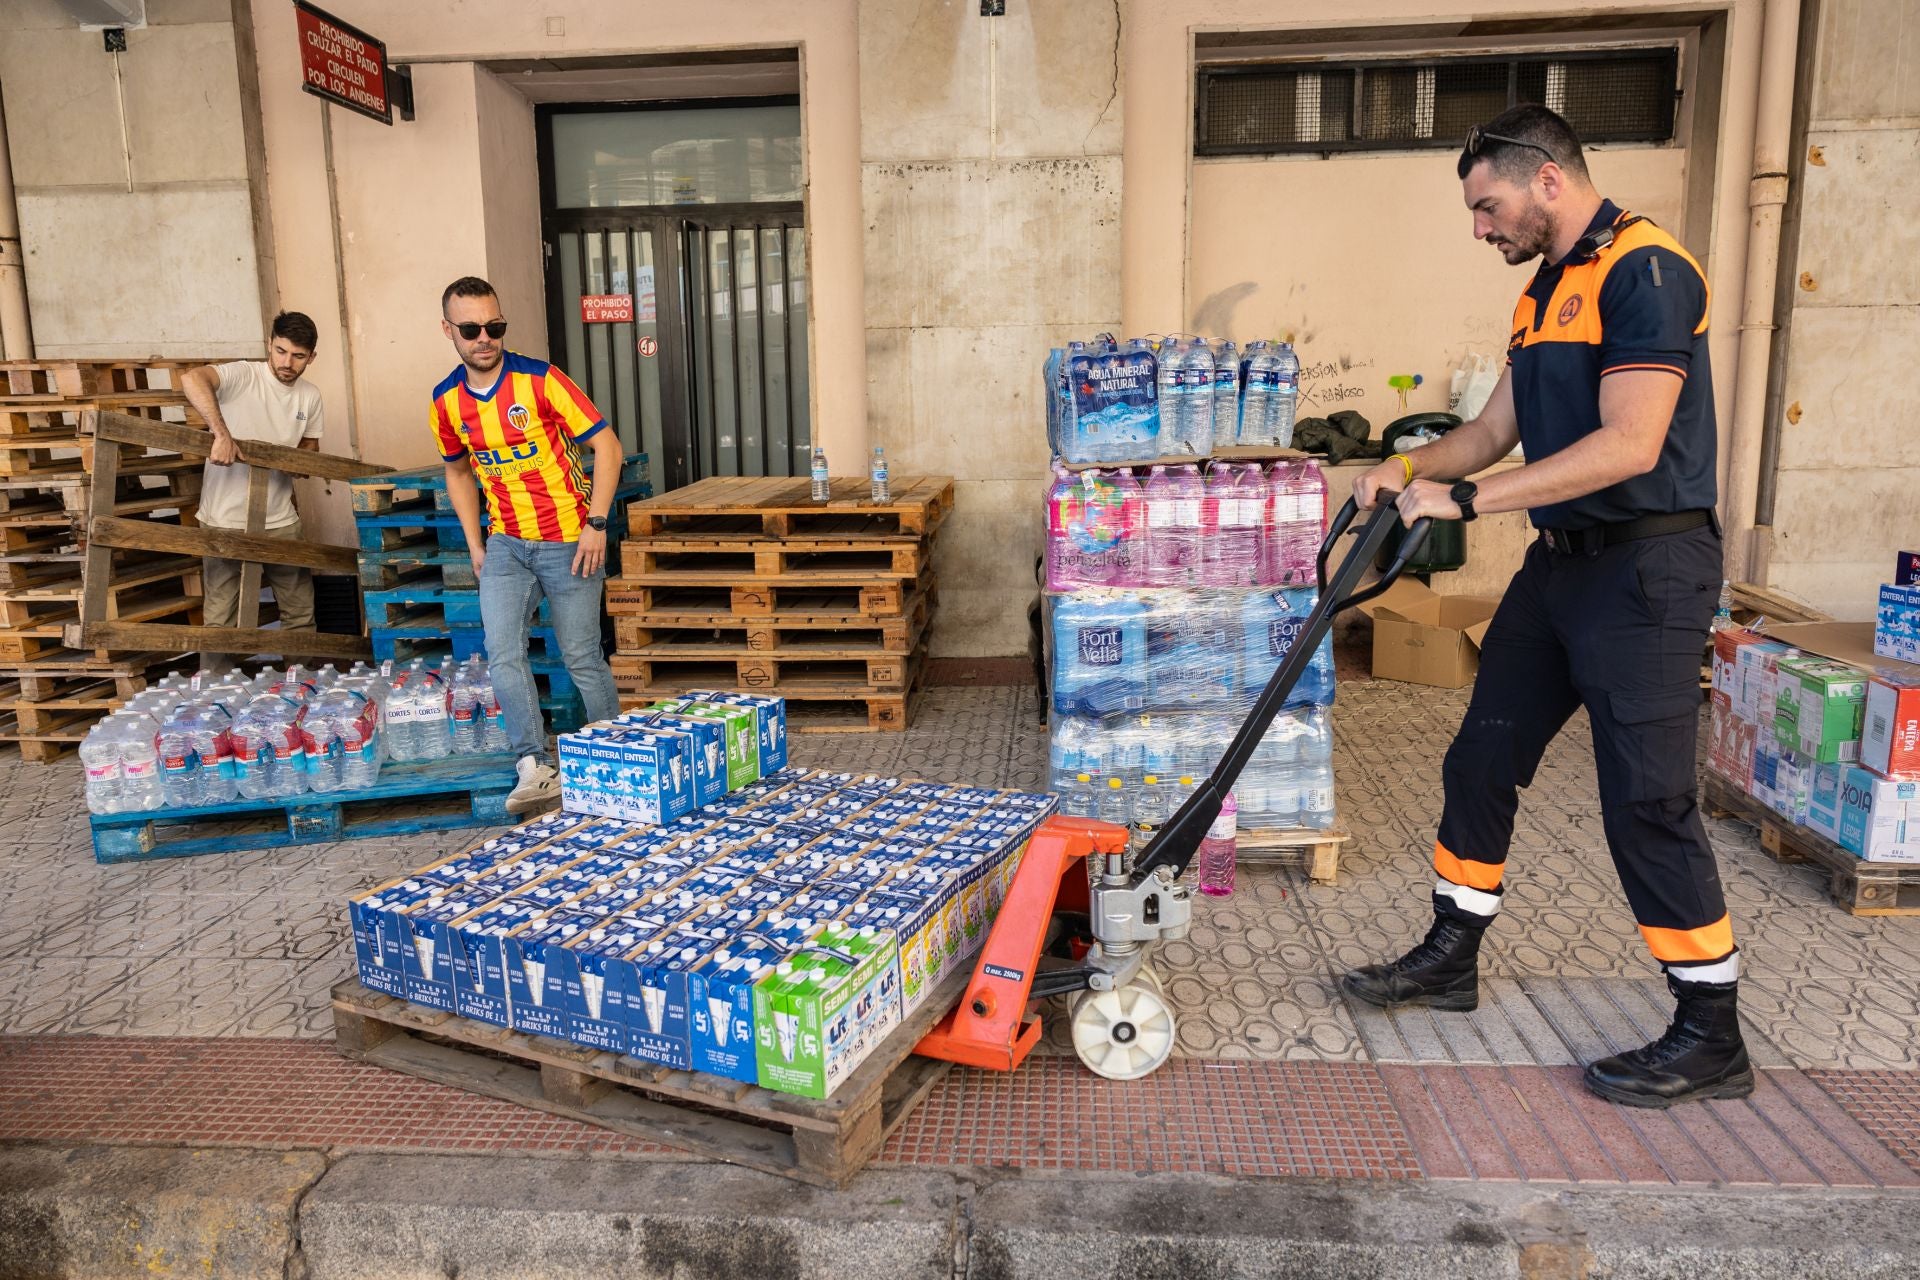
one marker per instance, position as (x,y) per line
(50,694)
(419,590)
(1176,585)
(1822,750)
(701,906)
(820,591)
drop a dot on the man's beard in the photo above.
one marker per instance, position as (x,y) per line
(1532,238)
(486,361)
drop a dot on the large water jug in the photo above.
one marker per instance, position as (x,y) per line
(1271,622)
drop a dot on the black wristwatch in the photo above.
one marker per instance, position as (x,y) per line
(597,523)
(1463,494)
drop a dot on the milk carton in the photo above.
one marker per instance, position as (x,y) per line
(741,724)
(532,956)
(1890,738)
(1879,817)
(1819,708)
(380,936)
(1896,628)
(658,1028)
(597,980)
(720,1006)
(770,724)
(640,775)
(709,765)
(810,1033)
(478,954)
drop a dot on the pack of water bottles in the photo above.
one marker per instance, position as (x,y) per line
(775,937)
(213,738)
(1156,397)
(1234,525)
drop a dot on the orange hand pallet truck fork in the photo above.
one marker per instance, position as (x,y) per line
(1101,917)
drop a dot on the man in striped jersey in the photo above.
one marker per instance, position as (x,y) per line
(518,423)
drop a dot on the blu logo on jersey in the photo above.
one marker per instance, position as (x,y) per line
(522,452)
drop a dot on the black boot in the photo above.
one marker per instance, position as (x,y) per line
(1700,1056)
(1442,972)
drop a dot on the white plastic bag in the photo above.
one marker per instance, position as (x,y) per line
(1473,384)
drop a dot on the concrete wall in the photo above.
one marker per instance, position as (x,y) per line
(990,174)
(136,192)
(1848,466)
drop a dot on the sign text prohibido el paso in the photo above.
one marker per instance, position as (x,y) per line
(341,63)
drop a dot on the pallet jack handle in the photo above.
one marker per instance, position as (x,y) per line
(1176,843)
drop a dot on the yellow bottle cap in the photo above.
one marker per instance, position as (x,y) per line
(1114,783)
(1150,779)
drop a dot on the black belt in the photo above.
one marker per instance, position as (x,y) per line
(1591,541)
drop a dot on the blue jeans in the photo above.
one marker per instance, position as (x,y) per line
(516,574)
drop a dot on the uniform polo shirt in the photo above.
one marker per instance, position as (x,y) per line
(1640,303)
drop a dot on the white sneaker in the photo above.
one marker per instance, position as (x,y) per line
(538,789)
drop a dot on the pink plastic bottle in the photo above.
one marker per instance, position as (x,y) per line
(1130,550)
(1220,851)
(1239,497)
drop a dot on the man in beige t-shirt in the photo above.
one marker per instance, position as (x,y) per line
(266,400)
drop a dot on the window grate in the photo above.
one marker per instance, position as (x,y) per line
(1608,95)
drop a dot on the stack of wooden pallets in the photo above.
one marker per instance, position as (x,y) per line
(50,693)
(418,585)
(747,583)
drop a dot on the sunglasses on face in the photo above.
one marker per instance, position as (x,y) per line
(1478,138)
(493,328)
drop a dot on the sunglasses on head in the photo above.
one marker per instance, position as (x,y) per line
(493,328)
(1478,138)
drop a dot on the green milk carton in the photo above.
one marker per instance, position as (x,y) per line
(818,1016)
(1820,709)
(743,735)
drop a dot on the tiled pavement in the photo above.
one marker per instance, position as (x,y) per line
(1275,1073)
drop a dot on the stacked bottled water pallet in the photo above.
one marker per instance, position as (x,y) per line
(1168,397)
(304,743)
(1174,589)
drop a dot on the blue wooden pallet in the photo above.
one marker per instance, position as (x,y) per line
(385,570)
(419,602)
(472,792)
(404,644)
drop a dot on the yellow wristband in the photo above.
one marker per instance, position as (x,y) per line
(1406,462)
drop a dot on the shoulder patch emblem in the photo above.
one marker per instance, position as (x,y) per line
(1568,310)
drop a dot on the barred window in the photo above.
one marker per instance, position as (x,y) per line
(1608,95)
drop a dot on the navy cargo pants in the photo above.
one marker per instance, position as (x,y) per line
(1619,632)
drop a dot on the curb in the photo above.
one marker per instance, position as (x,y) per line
(106,1211)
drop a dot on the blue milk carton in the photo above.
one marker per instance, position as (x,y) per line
(657,1003)
(597,981)
(380,935)
(480,957)
(709,756)
(720,1005)
(429,944)
(1099,654)
(770,714)
(536,1001)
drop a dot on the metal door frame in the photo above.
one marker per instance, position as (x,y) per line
(670,226)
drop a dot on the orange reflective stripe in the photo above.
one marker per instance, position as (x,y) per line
(1663,368)
(1484,876)
(1708,942)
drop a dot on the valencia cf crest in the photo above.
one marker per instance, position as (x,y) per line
(519,417)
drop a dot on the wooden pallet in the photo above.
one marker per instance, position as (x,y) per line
(45,634)
(766,597)
(83,379)
(820,1141)
(417,567)
(1856,886)
(811,707)
(836,673)
(722,635)
(433,604)
(779,507)
(717,561)
(434,795)
(1315,852)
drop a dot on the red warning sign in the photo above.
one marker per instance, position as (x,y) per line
(648,346)
(606,308)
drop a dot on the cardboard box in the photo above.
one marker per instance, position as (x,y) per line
(771,713)
(1879,817)
(1726,657)
(641,775)
(1423,637)
(1906,568)
(814,1023)
(1896,627)
(1890,735)
(1730,743)
(1819,708)
(1823,800)
(742,743)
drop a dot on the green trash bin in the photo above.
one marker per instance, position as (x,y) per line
(1446,546)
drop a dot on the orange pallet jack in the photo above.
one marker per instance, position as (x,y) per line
(1079,916)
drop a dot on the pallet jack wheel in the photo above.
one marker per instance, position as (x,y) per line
(1124,1034)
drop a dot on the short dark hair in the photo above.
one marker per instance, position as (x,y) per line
(298,328)
(1539,128)
(466,287)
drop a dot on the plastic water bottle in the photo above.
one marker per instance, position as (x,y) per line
(1196,400)
(1129,553)
(466,719)
(139,764)
(1174,505)
(1150,812)
(213,745)
(1114,805)
(180,785)
(493,737)
(1287,399)
(1297,521)
(325,752)
(269,749)
(1256,394)
(822,490)
(100,757)
(431,727)
(1170,395)
(1239,501)
(882,488)
(1226,394)
(1076,800)
(1316,768)
(1220,850)
(1271,622)
(1723,613)
(1100,655)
